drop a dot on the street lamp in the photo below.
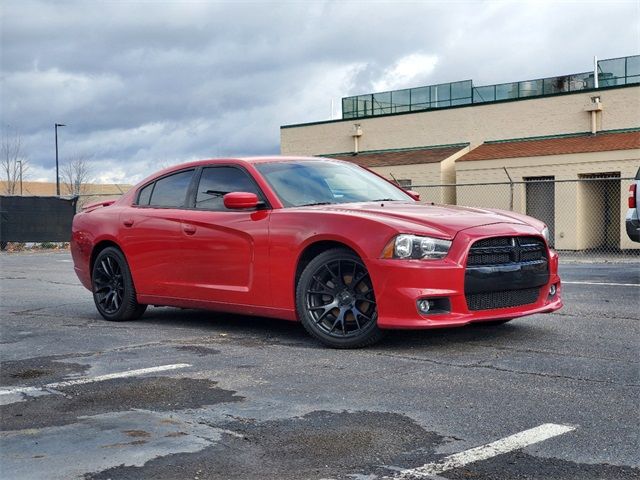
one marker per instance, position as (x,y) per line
(20,162)
(57,168)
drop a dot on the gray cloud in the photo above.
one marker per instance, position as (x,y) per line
(146,83)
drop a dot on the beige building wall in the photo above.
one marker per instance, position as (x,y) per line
(577,204)
(90,192)
(49,188)
(474,124)
(439,173)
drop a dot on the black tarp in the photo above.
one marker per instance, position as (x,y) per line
(36,219)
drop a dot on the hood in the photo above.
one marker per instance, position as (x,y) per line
(406,216)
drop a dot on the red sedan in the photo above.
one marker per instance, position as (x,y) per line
(322,241)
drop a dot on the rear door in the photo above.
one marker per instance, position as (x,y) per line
(225,252)
(151,234)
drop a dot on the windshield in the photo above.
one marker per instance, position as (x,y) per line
(308,182)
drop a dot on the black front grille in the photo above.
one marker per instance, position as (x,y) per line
(505,272)
(501,250)
(503,299)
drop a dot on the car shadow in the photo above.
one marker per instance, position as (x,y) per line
(249,330)
(444,338)
(243,328)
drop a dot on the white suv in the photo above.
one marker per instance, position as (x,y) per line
(633,218)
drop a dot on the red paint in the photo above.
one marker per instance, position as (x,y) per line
(245,260)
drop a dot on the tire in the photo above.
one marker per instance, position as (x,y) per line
(113,291)
(335,300)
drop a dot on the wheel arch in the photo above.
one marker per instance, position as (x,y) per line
(315,248)
(99,247)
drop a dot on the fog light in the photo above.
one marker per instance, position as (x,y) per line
(552,290)
(424,306)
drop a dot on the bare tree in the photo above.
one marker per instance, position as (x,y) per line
(75,175)
(13,161)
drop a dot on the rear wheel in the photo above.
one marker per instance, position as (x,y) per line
(113,290)
(335,300)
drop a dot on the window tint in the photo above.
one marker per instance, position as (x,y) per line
(145,195)
(171,191)
(216,182)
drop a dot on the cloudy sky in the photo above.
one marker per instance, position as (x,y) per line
(144,84)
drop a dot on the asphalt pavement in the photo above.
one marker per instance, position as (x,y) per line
(186,394)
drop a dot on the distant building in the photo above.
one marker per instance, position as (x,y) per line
(562,141)
(89,192)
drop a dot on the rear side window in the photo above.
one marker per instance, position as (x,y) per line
(145,195)
(216,182)
(170,191)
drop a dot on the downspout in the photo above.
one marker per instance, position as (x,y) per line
(593,108)
(357,133)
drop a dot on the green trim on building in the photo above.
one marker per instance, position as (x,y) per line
(471,105)
(393,150)
(560,135)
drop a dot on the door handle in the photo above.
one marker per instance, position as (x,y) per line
(188,229)
(128,222)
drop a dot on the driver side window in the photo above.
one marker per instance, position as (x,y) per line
(216,182)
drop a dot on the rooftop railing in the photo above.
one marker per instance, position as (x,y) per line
(611,72)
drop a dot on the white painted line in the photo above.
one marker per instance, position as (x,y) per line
(484,452)
(99,378)
(603,283)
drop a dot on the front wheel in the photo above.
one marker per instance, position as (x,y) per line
(113,290)
(335,300)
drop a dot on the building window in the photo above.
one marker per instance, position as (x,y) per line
(404,182)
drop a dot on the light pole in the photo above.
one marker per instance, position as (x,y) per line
(57,168)
(20,162)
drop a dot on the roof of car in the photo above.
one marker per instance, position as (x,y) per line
(250,160)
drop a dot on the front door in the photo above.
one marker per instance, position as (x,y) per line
(225,252)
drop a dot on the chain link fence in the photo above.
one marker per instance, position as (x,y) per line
(586,217)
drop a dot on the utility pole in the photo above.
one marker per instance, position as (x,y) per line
(57,166)
(20,163)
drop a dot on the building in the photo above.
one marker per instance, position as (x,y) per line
(554,148)
(89,192)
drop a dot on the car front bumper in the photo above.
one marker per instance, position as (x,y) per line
(400,284)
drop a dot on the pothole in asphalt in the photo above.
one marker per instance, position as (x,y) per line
(318,445)
(38,371)
(153,393)
(198,350)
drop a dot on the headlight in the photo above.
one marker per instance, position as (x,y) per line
(415,247)
(545,234)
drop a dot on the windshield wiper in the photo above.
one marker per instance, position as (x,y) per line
(215,193)
(314,204)
(385,200)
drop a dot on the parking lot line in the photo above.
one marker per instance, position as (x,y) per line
(603,283)
(484,452)
(99,378)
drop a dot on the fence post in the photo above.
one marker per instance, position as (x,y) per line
(510,189)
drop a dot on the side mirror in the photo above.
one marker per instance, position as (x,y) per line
(240,200)
(413,194)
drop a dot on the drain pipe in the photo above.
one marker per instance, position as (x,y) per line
(594,107)
(357,133)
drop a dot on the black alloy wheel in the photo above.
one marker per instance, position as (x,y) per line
(113,290)
(336,302)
